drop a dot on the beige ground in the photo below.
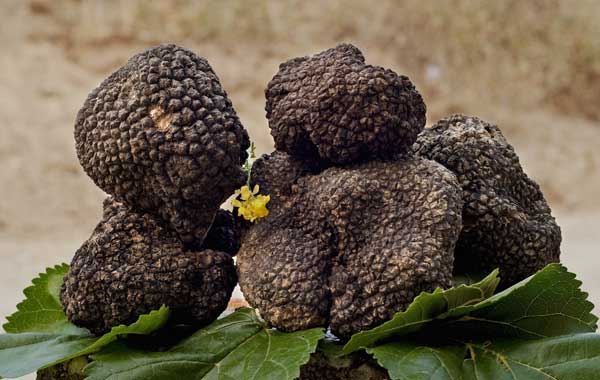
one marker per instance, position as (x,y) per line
(532,67)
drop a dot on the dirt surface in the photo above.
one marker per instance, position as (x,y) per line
(531,67)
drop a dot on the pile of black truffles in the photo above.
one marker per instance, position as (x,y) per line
(368,208)
(160,137)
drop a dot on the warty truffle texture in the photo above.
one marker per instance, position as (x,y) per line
(507,223)
(334,107)
(161,134)
(348,247)
(224,234)
(354,367)
(133,264)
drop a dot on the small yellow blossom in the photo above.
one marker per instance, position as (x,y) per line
(251,206)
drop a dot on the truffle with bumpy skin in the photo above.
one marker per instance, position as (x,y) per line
(224,234)
(69,370)
(334,107)
(132,264)
(161,135)
(353,367)
(507,223)
(348,247)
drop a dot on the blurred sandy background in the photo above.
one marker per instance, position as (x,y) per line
(533,67)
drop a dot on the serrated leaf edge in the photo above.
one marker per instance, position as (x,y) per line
(57,269)
(493,277)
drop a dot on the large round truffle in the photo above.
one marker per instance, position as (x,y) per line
(507,223)
(348,247)
(132,264)
(161,134)
(334,107)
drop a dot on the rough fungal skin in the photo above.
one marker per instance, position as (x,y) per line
(224,234)
(334,107)
(507,223)
(69,370)
(161,135)
(132,264)
(353,367)
(348,247)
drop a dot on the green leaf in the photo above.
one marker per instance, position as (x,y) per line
(41,310)
(239,346)
(424,309)
(549,303)
(407,360)
(536,314)
(146,324)
(40,335)
(332,349)
(25,353)
(570,357)
(467,278)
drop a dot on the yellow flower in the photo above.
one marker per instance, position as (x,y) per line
(252,206)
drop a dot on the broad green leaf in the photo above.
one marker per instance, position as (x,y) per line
(549,303)
(41,310)
(408,360)
(27,352)
(146,324)
(332,349)
(239,346)
(40,334)
(424,309)
(536,314)
(569,357)
(467,278)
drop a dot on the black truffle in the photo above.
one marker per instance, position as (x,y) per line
(133,264)
(161,135)
(224,234)
(507,223)
(335,107)
(348,247)
(69,370)
(357,366)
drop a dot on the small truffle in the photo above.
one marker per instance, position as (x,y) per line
(161,135)
(348,247)
(358,366)
(334,107)
(132,264)
(69,370)
(224,234)
(507,223)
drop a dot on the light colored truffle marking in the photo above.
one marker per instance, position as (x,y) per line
(162,120)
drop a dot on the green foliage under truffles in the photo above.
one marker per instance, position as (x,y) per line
(540,328)
(40,335)
(239,346)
